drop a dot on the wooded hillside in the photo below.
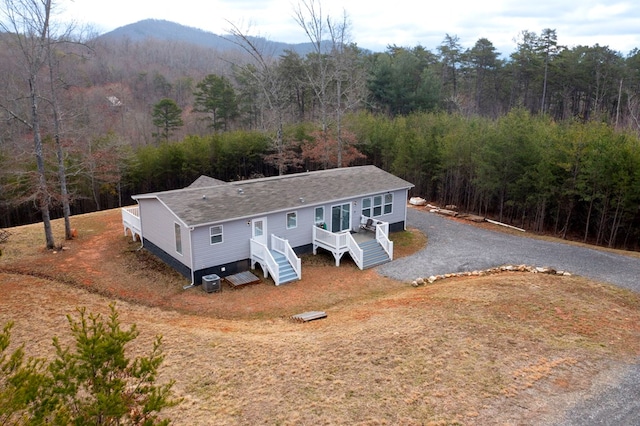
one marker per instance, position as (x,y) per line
(546,139)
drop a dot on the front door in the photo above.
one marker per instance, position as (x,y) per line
(341,218)
(259,230)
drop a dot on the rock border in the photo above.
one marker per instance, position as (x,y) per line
(491,271)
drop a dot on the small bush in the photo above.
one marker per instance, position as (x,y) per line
(93,382)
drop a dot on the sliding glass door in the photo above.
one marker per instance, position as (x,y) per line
(341,217)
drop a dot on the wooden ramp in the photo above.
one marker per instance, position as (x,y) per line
(241,279)
(309,316)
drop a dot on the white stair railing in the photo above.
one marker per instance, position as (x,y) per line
(282,246)
(260,253)
(382,238)
(357,254)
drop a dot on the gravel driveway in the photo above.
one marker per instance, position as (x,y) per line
(455,247)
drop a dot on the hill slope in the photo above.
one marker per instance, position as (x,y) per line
(171,31)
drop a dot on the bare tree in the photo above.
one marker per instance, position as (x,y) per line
(28,22)
(334,73)
(263,73)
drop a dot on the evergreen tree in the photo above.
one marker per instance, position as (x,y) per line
(216,97)
(93,382)
(167,117)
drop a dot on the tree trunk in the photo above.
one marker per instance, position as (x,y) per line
(62,172)
(42,192)
(617,218)
(603,220)
(586,227)
(567,220)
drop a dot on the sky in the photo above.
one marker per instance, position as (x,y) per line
(376,24)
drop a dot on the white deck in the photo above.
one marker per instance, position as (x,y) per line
(342,242)
(131,222)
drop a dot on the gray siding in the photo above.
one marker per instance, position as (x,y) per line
(236,234)
(158,227)
(234,246)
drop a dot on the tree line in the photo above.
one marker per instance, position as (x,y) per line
(578,180)
(511,137)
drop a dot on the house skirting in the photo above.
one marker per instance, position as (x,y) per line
(396,227)
(231,267)
(222,270)
(167,258)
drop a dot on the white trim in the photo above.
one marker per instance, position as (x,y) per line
(315,219)
(350,218)
(373,206)
(252,216)
(263,238)
(295,217)
(385,204)
(177,232)
(221,233)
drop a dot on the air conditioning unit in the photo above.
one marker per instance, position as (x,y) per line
(211,283)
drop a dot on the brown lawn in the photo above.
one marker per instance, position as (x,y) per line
(513,348)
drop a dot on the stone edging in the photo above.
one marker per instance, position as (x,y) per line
(504,268)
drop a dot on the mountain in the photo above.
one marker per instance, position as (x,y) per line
(171,31)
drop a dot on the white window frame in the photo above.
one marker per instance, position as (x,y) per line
(387,205)
(320,220)
(293,215)
(376,206)
(367,208)
(177,234)
(215,234)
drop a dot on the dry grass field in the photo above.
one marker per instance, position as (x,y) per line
(512,348)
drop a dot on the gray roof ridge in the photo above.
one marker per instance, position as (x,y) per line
(293,175)
(189,189)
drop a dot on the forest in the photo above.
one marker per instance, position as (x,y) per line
(545,138)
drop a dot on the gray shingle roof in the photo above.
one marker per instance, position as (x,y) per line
(204,181)
(249,198)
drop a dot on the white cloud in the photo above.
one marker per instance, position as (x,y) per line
(376,24)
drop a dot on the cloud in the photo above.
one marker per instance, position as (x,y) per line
(375,24)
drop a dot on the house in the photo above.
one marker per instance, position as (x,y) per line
(215,227)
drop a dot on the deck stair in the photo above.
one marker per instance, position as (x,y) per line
(374,254)
(287,273)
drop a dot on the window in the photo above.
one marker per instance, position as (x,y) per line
(178,236)
(366,207)
(388,203)
(292,220)
(319,218)
(377,205)
(215,233)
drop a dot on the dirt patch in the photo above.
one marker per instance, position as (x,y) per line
(101,260)
(512,348)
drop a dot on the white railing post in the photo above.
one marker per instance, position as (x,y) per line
(382,237)
(131,221)
(283,247)
(355,251)
(260,253)
(336,243)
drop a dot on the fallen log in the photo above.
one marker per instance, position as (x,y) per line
(495,222)
(472,217)
(447,212)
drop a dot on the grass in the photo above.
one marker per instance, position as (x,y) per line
(512,348)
